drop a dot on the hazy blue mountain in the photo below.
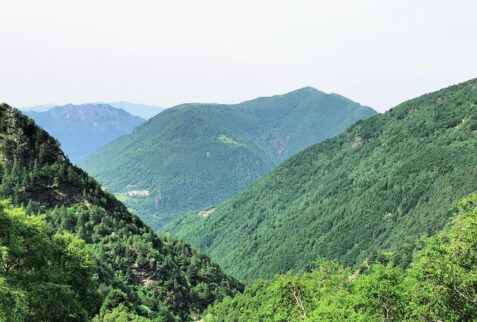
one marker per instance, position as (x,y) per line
(196,155)
(142,110)
(82,129)
(37,108)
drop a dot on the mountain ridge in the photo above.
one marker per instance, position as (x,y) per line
(82,129)
(144,111)
(383,182)
(196,155)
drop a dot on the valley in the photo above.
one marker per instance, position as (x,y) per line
(375,223)
(238,161)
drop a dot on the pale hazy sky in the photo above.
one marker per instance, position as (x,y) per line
(167,52)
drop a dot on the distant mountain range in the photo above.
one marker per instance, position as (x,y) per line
(367,194)
(37,108)
(82,129)
(142,110)
(196,155)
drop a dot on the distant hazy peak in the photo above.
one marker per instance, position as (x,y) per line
(86,105)
(84,128)
(87,112)
(142,110)
(98,107)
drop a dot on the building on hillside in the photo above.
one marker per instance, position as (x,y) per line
(138,193)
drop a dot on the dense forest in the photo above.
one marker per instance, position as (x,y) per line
(440,285)
(359,227)
(74,252)
(196,155)
(368,193)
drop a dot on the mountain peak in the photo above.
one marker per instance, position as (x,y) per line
(82,129)
(222,147)
(91,111)
(389,178)
(306,89)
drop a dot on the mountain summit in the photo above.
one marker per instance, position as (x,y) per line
(82,129)
(375,188)
(196,155)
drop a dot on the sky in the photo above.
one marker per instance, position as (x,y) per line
(168,52)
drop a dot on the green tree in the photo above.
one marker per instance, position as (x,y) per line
(443,282)
(43,277)
(381,292)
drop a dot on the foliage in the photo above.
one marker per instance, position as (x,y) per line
(43,276)
(196,155)
(366,194)
(381,292)
(120,314)
(444,279)
(288,297)
(117,308)
(161,275)
(439,286)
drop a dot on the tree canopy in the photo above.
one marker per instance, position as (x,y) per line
(440,285)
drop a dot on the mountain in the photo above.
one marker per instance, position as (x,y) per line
(369,192)
(196,155)
(82,129)
(141,110)
(121,267)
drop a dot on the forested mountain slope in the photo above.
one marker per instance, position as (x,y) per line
(195,155)
(149,275)
(378,186)
(440,285)
(82,129)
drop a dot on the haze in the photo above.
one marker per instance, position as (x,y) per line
(164,53)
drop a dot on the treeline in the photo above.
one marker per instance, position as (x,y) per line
(440,285)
